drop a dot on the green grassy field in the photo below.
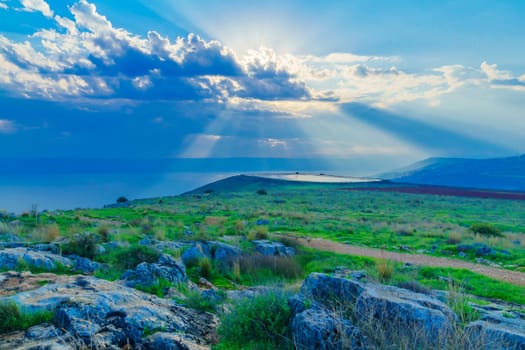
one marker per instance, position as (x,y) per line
(237,208)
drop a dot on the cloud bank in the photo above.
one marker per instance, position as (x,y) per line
(83,56)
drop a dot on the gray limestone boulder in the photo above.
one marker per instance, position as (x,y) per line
(40,337)
(198,251)
(321,330)
(329,303)
(168,341)
(266,247)
(412,315)
(147,274)
(495,331)
(223,253)
(84,265)
(107,315)
(328,290)
(11,258)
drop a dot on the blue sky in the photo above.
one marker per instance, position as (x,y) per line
(298,79)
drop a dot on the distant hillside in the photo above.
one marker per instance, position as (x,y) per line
(497,173)
(240,183)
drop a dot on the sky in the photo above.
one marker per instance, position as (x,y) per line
(336,80)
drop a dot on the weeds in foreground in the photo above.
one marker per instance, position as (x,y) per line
(13,319)
(261,322)
(385,270)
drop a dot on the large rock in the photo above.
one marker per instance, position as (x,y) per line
(266,247)
(496,332)
(106,315)
(147,274)
(415,316)
(321,330)
(223,253)
(84,265)
(168,341)
(337,305)
(198,251)
(329,290)
(11,258)
(38,337)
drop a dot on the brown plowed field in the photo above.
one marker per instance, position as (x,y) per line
(444,191)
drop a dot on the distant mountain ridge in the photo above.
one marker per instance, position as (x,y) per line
(494,173)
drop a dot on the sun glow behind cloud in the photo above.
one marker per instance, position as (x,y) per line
(255,91)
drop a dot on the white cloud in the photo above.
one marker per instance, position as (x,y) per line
(86,56)
(3,6)
(37,6)
(7,126)
(493,73)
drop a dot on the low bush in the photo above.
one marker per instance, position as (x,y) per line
(195,300)
(258,267)
(261,322)
(260,232)
(128,258)
(385,270)
(13,319)
(45,233)
(454,238)
(262,191)
(485,229)
(159,288)
(104,233)
(83,244)
(122,199)
(205,268)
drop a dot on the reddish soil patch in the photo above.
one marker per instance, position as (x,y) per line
(12,282)
(445,191)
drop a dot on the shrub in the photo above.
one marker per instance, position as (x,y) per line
(485,229)
(454,238)
(240,226)
(261,322)
(45,234)
(122,199)
(205,268)
(104,233)
(158,288)
(262,191)
(130,257)
(260,232)
(256,266)
(459,303)
(15,320)
(84,244)
(195,300)
(385,270)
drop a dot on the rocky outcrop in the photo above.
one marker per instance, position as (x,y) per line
(417,316)
(147,274)
(107,315)
(44,257)
(266,247)
(221,252)
(495,331)
(329,311)
(319,329)
(12,258)
(196,252)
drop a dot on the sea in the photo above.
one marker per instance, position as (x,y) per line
(49,184)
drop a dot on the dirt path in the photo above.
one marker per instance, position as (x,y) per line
(513,277)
